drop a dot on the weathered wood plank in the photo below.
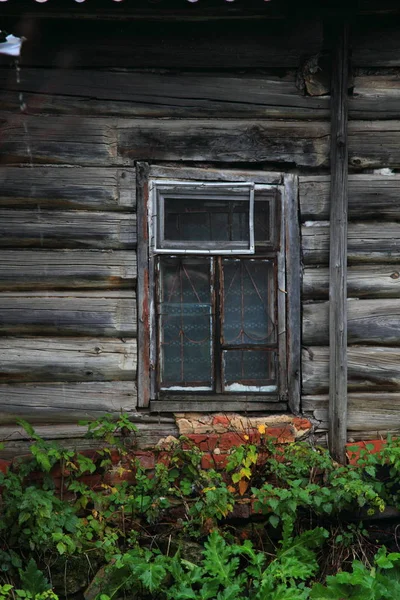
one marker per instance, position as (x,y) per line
(71,436)
(212,174)
(369,369)
(65,402)
(338,247)
(369,322)
(181,405)
(113,141)
(363,281)
(375,97)
(67,229)
(374,413)
(305,144)
(159,94)
(57,140)
(372,241)
(85,313)
(374,144)
(90,188)
(67,269)
(222,44)
(144,289)
(66,359)
(370,197)
(293,290)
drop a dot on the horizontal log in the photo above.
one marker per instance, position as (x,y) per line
(363,281)
(305,144)
(182,404)
(213,174)
(90,188)
(85,313)
(370,196)
(67,269)
(369,369)
(66,229)
(165,94)
(65,402)
(201,44)
(375,97)
(373,413)
(374,144)
(376,42)
(57,140)
(368,322)
(373,241)
(66,359)
(112,141)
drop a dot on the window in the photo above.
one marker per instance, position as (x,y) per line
(215,295)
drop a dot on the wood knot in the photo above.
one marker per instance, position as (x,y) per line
(395,275)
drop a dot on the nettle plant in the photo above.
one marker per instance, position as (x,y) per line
(137,522)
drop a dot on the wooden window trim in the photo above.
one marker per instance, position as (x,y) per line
(288,303)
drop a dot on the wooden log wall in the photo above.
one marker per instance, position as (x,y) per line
(373,245)
(93,97)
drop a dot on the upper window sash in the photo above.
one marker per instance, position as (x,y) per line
(232,201)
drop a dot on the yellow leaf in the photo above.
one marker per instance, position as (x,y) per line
(262,429)
(246,437)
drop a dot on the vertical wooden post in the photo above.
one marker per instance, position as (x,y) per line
(143,291)
(338,248)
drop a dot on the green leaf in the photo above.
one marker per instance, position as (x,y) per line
(274,520)
(33,580)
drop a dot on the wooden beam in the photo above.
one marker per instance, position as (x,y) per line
(143,291)
(293,289)
(338,249)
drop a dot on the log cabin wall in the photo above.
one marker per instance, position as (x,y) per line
(373,245)
(101,94)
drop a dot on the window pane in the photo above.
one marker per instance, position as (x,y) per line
(248,302)
(185,323)
(249,370)
(206,220)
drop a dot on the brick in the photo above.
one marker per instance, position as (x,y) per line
(354,455)
(213,461)
(301,424)
(4,465)
(230,440)
(146,460)
(282,435)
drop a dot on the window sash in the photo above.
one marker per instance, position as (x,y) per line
(201,191)
(180,351)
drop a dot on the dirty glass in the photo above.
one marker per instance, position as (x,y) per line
(248,302)
(206,220)
(185,323)
(249,370)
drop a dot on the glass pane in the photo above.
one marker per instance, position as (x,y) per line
(249,370)
(248,302)
(206,220)
(185,323)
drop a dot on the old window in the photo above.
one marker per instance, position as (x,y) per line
(216,294)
